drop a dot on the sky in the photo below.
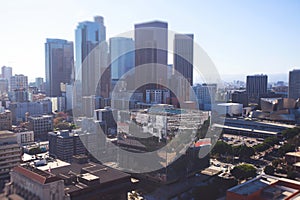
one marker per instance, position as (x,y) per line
(241,37)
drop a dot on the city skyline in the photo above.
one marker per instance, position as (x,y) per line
(237,39)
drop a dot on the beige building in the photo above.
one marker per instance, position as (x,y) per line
(31,183)
(25,137)
(10,153)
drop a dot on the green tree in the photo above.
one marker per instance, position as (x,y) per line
(222,148)
(269,169)
(286,148)
(260,147)
(291,132)
(243,171)
(35,150)
(245,152)
(276,162)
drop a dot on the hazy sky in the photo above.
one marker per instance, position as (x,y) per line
(241,37)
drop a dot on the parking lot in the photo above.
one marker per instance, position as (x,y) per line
(236,140)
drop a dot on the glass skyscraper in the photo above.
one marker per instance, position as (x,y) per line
(121,56)
(59,64)
(91,56)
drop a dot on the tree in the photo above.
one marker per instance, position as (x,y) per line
(291,132)
(243,171)
(269,169)
(286,148)
(271,141)
(245,152)
(291,174)
(222,148)
(35,150)
(260,147)
(276,162)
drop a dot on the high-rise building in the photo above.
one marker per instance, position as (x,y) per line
(91,58)
(256,87)
(6,72)
(65,144)
(18,81)
(151,50)
(206,95)
(122,53)
(3,86)
(59,62)
(183,55)
(39,84)
(20,110)
(294,84)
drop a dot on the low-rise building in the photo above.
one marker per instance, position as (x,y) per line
(80,180)
(265,187)
(5,119)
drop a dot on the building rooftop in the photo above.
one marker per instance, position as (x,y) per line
(295,154)
(269,187)
(35,174)
(105,174)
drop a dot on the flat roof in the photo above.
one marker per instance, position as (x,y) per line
(251,186)
(269,184)
(295,154)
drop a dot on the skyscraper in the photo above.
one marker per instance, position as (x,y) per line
(256,86)
(151,48)
(294,84)
(183,55)
(59,62)
(6,72)
(39,84)
(91,58)
(121,51)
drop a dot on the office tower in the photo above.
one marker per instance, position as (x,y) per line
(91,58)
(18,81)
(20,110)
(10,153)
(3,86)
(294,84)
(40,125)
(106,120)
(183,55)
(256,87)
(240,96)
(206,95)
(122,53)
(158,96)
(39,84)
(65,144)
(151,50)
(59,62)
(6,72)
